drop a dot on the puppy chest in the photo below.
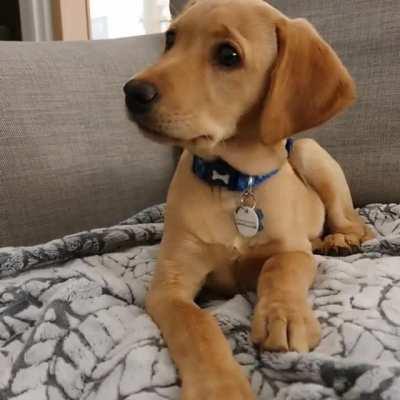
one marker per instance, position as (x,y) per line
(234,271)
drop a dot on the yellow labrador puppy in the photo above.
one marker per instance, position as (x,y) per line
(245,208)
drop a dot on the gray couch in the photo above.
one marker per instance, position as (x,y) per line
(71,160)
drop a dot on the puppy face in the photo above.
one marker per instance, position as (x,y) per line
(226,61)
(214,71)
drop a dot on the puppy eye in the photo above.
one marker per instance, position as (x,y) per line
(170,37)
(227,56)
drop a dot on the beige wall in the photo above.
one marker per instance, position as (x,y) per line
(54,20)
(71,19)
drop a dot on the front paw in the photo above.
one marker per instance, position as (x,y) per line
(284,325)
(337,244)
(232,386)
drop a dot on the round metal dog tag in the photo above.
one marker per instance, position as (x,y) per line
(247,221)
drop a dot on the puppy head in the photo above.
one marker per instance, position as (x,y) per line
(230,61)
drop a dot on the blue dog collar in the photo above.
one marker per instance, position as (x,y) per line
(220,173)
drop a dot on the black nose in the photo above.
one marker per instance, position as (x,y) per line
(140,96)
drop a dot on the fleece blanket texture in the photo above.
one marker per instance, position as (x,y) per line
(73,325)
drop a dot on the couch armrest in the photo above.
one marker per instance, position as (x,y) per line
(70,159)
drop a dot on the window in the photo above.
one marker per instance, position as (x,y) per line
(121,18)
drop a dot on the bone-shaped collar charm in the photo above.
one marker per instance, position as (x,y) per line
(216,176)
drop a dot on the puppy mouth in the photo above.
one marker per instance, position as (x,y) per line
(155,132)
(161,136)
(203,138)
(156,135)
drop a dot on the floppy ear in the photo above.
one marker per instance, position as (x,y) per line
(309,83)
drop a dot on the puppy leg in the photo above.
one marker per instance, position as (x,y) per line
(283,319)
(196,344)
(325,176)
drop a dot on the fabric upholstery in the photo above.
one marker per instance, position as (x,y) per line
(366,139)
(176,6)
(70,159)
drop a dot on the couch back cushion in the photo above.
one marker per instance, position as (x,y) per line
(70,159)
(176,6)
(366,139)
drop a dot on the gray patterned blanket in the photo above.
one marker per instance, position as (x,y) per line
(72,323)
